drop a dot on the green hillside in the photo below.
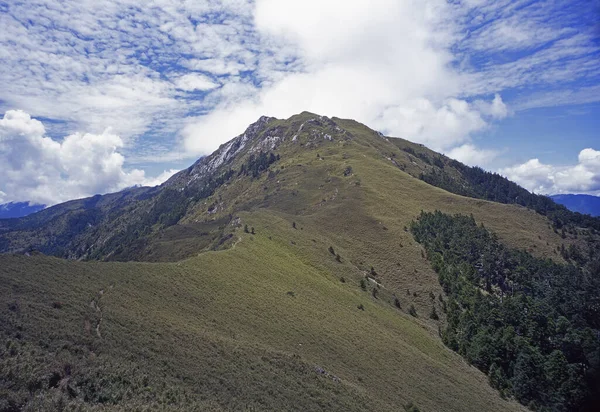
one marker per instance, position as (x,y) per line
(250,328)
(279,273)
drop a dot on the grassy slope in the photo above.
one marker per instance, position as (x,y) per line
(222,329)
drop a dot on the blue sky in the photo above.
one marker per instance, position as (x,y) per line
(99,95)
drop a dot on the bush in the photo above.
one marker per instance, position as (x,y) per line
(363,284)
(397,302)
(412,311)
(331,250)
(411,407)
(433,315)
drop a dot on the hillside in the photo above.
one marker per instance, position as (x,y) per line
(302,286)
(586,204)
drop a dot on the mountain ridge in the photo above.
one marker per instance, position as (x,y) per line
(287,255)
(168,204)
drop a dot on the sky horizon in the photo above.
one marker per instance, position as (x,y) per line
(97,96)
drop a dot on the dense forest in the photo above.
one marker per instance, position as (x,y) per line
(531,324)
(478,183)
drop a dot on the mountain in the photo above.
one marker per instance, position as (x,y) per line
(302,267)
(18,209)
(585,204)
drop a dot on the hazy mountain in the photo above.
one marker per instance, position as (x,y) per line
(303,268)
(18,209)
(586,204)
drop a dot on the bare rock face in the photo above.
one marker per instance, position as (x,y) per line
(207,165)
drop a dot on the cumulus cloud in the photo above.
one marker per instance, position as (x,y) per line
(583,177)
(42,170)
(496,109)
(472,156)
(391,71)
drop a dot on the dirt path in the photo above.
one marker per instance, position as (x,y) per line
(95,304)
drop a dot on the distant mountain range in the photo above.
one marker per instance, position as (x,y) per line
(586,204)
(18,209)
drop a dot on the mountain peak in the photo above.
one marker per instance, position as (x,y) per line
(265,134)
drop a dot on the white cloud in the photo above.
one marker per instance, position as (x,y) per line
(584,177)
(194,81)
(160,179)
(472,156)
(496,109)
(39,169)
(385,63)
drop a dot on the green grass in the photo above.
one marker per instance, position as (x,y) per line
(221,330)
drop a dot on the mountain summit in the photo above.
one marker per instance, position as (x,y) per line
(289,165)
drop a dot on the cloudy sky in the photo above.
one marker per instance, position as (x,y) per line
(98,95)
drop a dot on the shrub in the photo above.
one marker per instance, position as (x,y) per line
(412,311)
(331,250)
(411,407)
(361,307)
(343,279)
(397,302)
(246,229)
(363,284)
(338,258)
(433,315)
(374,292)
